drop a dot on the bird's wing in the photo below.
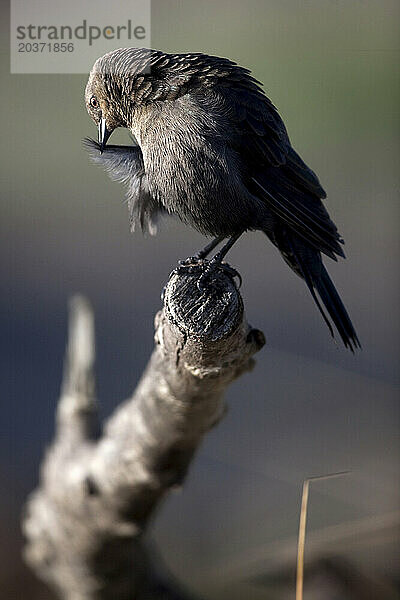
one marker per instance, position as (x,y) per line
(273,171)
(125,164)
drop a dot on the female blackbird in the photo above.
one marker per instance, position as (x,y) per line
(213,150)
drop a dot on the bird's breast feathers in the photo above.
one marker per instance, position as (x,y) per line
(191,170)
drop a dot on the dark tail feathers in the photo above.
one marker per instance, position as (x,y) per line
(317,279)
(335,307)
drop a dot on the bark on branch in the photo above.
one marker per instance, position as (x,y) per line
(84,523)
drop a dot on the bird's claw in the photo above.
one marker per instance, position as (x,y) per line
(232,273)
(192,261)
(208,269)
(196,265)
(189,265)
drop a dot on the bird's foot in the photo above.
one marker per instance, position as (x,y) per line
(192,261)
(204,268)
(192,265)
(210,267)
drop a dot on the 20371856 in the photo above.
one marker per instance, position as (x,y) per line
(45,47)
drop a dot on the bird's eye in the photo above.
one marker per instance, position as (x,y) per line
(93,102)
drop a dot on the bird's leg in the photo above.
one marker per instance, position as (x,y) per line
(217,258)
(206,251)
(202,254)
(216,261)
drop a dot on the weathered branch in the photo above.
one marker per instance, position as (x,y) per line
(84,523)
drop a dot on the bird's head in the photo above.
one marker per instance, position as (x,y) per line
(125,81)
(120,83)
(106,99)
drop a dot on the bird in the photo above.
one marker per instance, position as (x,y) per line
(209,147)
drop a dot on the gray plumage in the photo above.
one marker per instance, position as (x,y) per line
(213,150)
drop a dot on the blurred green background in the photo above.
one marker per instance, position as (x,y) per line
(309,407)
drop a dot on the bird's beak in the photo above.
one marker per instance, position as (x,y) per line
(104,134)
